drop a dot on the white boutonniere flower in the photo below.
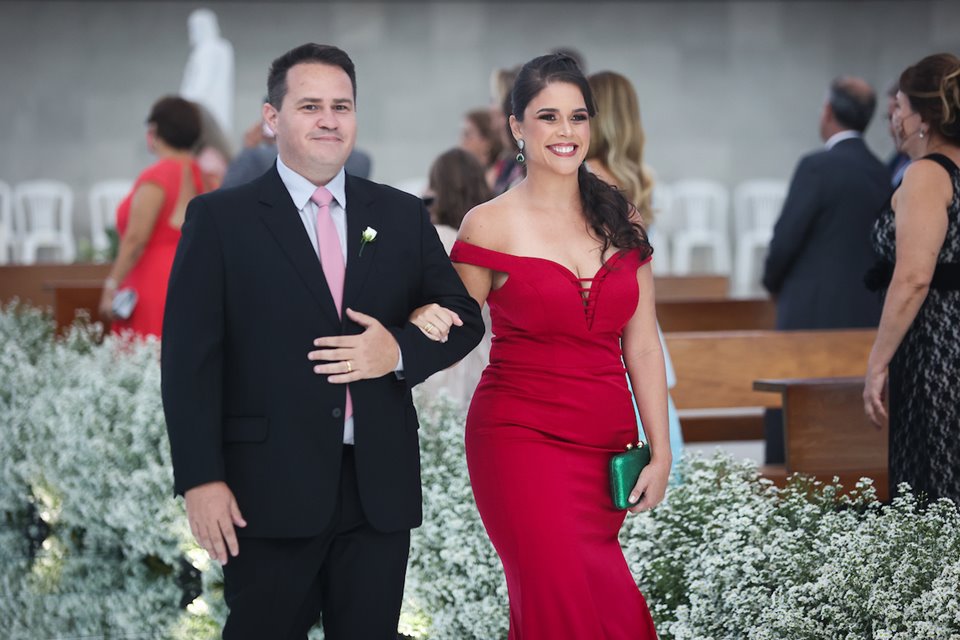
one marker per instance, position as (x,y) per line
(369,235)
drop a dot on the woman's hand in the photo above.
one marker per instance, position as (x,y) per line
(435,321)
(105,308)
(651,486)
(874,395)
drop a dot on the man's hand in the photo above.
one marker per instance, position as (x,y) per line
(371,354)
(213,512)
(435,321)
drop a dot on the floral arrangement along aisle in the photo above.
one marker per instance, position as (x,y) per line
(93,544)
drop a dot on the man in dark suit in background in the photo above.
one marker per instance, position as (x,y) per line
(288,362)
(821,247)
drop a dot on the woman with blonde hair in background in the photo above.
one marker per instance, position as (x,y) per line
(918,240)
(616,141)
(616,157)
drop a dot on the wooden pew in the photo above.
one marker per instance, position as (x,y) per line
(32,283)
(827,433)
(686,287)
(72,296)
(716,314)
(715,373)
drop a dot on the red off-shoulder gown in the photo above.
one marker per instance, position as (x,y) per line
(551,408)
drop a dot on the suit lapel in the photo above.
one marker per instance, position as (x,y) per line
(360,215)
(280,216)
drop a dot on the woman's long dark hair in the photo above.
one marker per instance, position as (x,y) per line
(606,209)
(458,184)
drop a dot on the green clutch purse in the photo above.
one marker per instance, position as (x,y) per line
(625,468)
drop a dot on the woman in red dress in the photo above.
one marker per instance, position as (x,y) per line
(149,218)
(563,262)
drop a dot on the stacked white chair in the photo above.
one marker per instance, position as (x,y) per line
(756,208)
(661,228)
(44,218)
(700,207)
(7,251)
(104,198)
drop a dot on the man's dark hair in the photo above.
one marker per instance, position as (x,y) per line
(306,53)
(177,121)
(851,107)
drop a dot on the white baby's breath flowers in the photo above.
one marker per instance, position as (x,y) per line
(93,544)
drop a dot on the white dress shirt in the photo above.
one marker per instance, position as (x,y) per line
(840,136)
(301,190)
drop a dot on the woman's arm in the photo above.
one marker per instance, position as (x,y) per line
(643,357)
(144,210)
(435,321)
(920,209)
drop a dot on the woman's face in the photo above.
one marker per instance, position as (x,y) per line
(472,142)
(555,129)
(907,127)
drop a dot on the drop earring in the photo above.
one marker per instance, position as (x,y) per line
(520,157)
(921,134)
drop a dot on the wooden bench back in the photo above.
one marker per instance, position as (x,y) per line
(686,287)
(34,283)
(717,369)
(717,314)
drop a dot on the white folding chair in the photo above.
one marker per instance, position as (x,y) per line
(104,198)
(700,207)
(660,231)
(44,218)
(7,252)
(756,207)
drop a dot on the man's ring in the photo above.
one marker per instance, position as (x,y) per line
(349,367)
(429,327)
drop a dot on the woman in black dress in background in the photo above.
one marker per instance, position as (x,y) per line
(919,241)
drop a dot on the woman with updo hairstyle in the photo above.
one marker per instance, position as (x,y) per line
(915,360)
(150,217)
(562,260)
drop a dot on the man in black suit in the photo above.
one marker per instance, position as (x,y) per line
(821,247)
(292,429)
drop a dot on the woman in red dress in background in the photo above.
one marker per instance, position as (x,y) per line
(150,217)
(563,262)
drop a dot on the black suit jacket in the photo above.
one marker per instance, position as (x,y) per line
(821,243)
(247,297)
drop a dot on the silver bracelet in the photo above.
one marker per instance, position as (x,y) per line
(110,284)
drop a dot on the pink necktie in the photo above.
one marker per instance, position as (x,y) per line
(331,258)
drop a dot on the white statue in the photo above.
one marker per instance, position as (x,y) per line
(208,76)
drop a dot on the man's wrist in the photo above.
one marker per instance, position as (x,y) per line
(110,284)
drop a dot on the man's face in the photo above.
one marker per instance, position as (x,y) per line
(316,124)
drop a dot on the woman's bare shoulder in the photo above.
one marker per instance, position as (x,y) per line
(486,224)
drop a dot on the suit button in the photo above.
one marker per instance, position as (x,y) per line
(337,412)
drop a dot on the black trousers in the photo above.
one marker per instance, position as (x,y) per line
(351,574)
